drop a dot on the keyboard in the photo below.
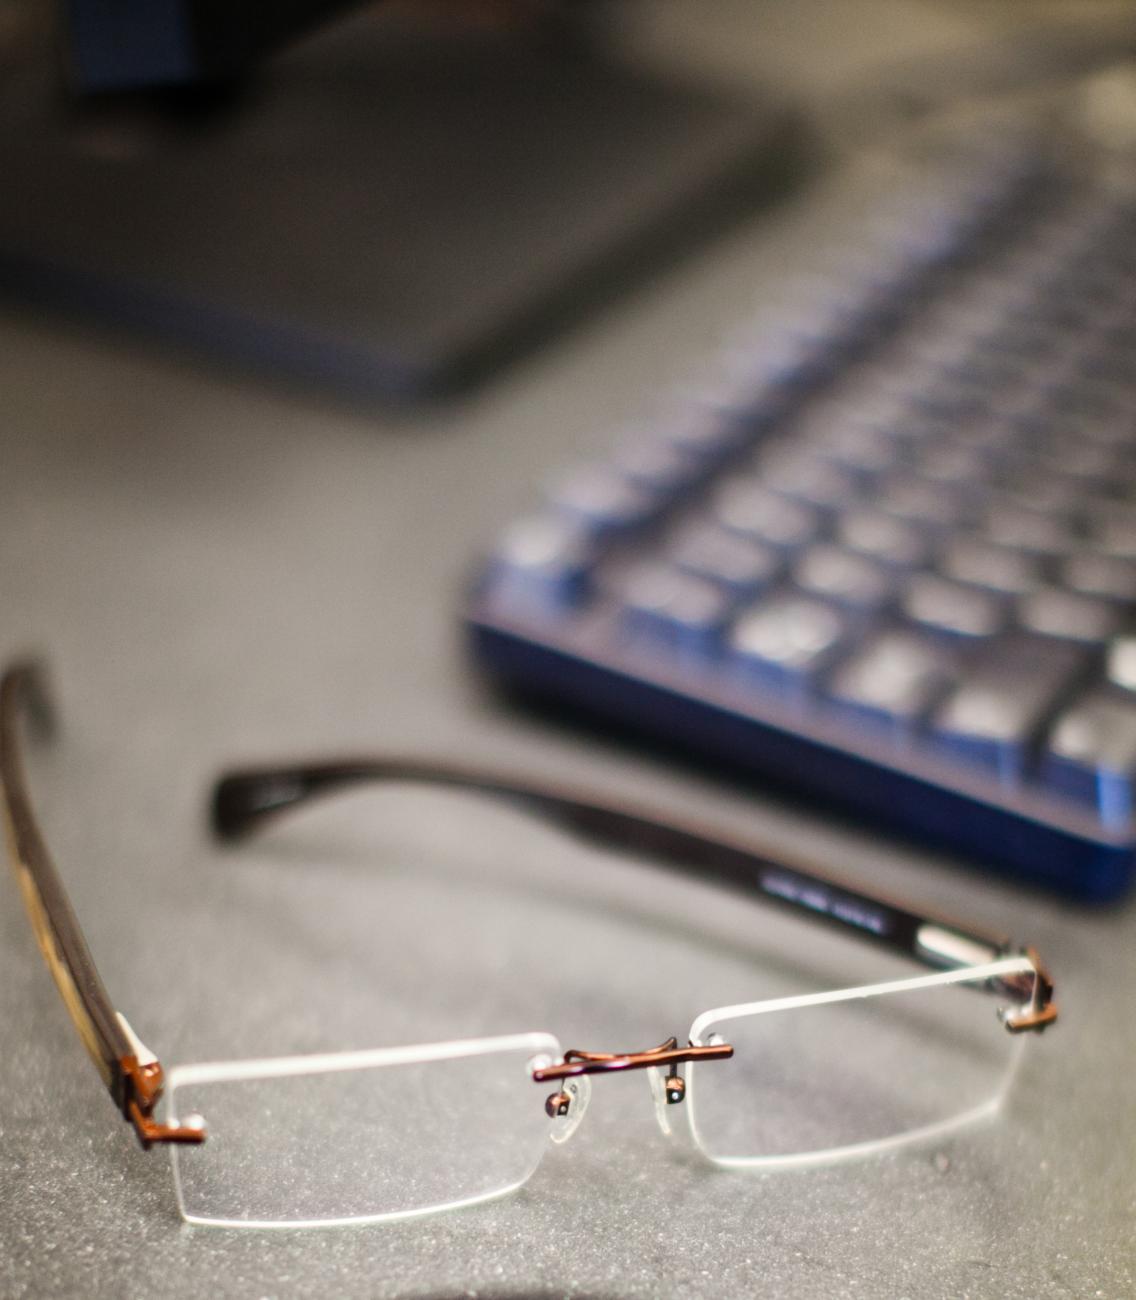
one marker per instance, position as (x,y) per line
(881,545)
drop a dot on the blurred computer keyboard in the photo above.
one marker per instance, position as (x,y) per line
(882,546)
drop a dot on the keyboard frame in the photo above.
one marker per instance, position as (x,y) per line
(1044,841)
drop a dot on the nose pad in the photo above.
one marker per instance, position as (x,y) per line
(659,1095)
(568,1116)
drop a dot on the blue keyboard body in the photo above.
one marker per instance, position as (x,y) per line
(882,546)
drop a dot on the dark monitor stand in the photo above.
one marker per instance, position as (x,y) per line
(389,211)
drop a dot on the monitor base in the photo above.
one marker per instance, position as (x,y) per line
(393,214)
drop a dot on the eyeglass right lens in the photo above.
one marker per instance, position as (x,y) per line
(326,1140)
(808,1083)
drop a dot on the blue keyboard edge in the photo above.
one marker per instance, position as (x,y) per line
(1023,849)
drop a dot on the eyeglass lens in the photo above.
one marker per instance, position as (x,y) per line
(340,1145)
(811,1081)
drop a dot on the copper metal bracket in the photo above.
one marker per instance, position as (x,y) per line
(1042,1010)
(557,1104)
(1028,1021)
(669,1053)
(674,1089)
(143,1086)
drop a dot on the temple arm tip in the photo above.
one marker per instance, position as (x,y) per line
(242,800)
(233,807)
(29,678)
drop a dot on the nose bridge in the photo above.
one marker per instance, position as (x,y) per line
(576,1062)
(572,1075)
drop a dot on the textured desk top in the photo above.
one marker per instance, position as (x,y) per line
(224,571)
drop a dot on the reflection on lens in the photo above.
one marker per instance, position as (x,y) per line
(360,1136)
(812,1080)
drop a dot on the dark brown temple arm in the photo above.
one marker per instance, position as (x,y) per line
(131,1074)
(243,800)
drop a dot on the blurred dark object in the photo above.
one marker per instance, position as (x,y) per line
(393,207)
(119,44)
(115,45)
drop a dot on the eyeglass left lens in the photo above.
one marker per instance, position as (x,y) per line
(360,1136)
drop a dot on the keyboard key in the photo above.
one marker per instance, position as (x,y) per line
(904,379)
(1120,663)
(992,717)
(1091,755)
(981,372)
(1090,401)
(815,309)
(1117,432)
(751,379)
(656,464)
(683,609)
(1110,576)
(730,558)
(996,436)
(1069,615)
(995,567)
(1077,457)
(954,465)
(1108,365)
(807,478)
(954,397)
(1021,342)
(788,639)
(1044,490)
(1115,532)
(943,606)
(704,433)
(605,498)
(882,537)
(1027,530)
(894,679)
(864,448)
(942,339)
(861,403)
(544,558)
(920,502)
(746,505)
(843,577)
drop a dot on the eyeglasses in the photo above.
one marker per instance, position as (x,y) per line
(404,1131)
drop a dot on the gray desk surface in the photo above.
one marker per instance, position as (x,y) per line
(225,571)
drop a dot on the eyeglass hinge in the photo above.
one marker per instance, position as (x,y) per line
(1041,1011)
(143,1081)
